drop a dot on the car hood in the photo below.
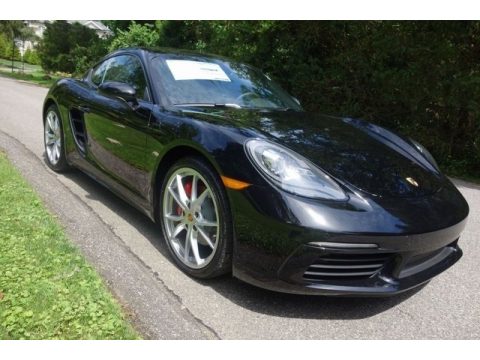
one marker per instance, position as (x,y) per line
(354,152)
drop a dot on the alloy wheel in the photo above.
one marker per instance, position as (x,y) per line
(190,216)
(53,140)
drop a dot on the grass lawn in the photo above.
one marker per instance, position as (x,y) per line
(38,78)
(33,73)
(47,289)
(17,65)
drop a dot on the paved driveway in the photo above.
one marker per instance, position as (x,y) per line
(127,250)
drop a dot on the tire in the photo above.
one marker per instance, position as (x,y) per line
(54,140)
(192,215)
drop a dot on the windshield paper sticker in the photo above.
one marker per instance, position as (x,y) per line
(196,70)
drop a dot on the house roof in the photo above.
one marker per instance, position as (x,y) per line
(92,24)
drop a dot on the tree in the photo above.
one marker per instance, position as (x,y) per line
(4,46)
(421,78)
(137,35)
(69,47)
(116,25)
(12,28)
(25,34)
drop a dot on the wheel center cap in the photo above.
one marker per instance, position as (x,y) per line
(190,217)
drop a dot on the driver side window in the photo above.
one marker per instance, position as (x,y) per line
(99,72)
(125,69)
(128,69)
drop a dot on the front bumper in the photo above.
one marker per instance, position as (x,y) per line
(397,264)
(285,257)
(399,272)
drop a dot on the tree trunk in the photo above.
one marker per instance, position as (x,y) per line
(13,49)
(22,55)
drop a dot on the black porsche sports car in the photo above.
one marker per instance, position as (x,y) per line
(242,180)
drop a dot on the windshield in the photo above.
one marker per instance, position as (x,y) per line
(204,81)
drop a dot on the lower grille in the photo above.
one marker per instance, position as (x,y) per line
(345,266)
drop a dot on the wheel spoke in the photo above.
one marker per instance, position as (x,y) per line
(178,229)
(204,222)
(199,201)
(194,246)
(57,151)
(49,121)
(193,195)
(181,191)
(55,123)
(174,217)
(205,236)
(50,140)
(177,199)
(188,243)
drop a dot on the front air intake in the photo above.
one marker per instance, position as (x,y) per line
(345,267)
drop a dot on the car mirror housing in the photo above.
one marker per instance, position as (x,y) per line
(120,90)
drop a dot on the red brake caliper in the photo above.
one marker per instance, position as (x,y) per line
(188,191)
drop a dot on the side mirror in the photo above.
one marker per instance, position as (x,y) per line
(121,90)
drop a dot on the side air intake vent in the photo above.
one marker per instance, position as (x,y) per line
(78,129)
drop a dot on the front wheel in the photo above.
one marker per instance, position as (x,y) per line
(54,140)
(196,219)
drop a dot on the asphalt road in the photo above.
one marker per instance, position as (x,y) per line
(127,250)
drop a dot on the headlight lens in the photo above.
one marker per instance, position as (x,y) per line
(292,172)
(425,153)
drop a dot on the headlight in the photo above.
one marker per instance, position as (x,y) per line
(425,153)
(292,172)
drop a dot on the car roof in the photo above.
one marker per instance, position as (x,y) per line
(168,51)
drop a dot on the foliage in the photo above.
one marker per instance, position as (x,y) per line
(137,35)
(421,78)
(3,45)
(31,57)
(12,31)
(47,290)
(6,48)
(69,48)
(116,25)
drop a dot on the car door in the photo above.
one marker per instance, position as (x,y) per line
(116,129)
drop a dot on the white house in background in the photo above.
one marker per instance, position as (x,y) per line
(39,27)
(101,30)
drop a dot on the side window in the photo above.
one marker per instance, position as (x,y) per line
(128,69)
(99,72)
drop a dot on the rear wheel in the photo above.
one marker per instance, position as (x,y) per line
(54,140)
(196,219)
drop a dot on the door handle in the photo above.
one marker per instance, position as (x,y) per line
(84,108)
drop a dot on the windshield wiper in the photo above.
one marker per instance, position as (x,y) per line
(227,105)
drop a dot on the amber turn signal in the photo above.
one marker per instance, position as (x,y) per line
(234,184)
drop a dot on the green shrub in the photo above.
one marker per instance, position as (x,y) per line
(31,57)
(137,35)
(69,47)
